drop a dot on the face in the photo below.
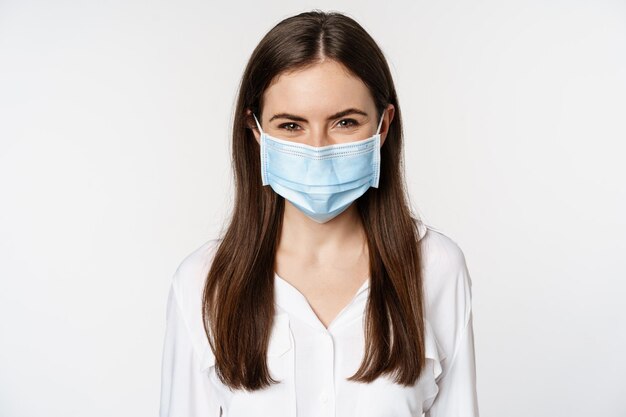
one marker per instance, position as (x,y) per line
(320,105)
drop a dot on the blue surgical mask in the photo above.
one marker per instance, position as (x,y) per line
(322,181)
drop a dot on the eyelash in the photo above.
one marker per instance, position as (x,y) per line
(354,123)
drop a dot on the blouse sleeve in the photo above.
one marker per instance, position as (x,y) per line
(457,388)
(186,391)
(457,395)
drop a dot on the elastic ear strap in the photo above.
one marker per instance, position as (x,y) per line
(257,123)
(380,123)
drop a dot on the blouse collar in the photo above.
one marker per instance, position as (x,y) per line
(290,299)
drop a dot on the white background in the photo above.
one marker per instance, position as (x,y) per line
(114,165)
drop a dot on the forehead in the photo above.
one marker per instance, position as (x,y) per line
(324,87)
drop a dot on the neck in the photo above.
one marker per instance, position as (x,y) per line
(307,239)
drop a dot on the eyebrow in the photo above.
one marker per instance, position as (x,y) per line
(302,119)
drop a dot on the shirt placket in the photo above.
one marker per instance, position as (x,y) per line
(294,302)
(326,396)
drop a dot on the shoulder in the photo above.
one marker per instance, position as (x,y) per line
(187,286)
(441,255)
(193,268)
(447,287)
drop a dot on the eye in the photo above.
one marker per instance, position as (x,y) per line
(352,121)
(289,129)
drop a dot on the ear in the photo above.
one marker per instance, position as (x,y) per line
(251,124)
(387,118)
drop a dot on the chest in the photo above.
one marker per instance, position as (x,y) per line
(313,367)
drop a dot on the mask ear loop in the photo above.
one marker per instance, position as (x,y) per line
(380,123)
(263,155)
(377,154)
(257,123)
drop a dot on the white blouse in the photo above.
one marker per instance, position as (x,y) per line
(313,362)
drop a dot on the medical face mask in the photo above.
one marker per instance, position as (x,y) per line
(322,181)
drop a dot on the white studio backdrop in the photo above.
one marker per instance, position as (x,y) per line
(114,164)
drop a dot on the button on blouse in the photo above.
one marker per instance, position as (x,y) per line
(312,361)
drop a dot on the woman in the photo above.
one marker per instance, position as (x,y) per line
(325,295)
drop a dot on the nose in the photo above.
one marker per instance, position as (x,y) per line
(319,137)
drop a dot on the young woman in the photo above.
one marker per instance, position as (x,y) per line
(325,295)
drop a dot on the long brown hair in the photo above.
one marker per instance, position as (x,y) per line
(238,300)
